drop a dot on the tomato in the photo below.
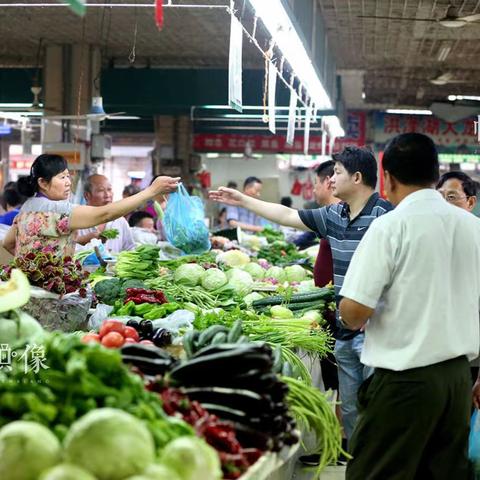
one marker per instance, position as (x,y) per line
(112,326)
(129,340)
(146,342)
(130,332)
(91,338)
(113,340)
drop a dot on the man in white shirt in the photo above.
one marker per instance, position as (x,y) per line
(416,276)
(98,192)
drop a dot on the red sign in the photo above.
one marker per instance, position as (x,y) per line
(235,143)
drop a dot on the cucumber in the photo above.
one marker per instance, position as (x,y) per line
(188,343)
(323,294)
(207,335)
(220,337)
(272,300)
(315,305)
(235,332)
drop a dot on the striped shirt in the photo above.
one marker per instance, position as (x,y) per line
(333,223)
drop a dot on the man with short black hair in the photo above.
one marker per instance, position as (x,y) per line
(343,224)
(458,189)
(414,284)
(241,217)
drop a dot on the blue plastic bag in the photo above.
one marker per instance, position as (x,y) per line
(474,441)
(184,222)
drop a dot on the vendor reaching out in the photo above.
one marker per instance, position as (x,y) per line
(47,218)
(99,193)
(239,216)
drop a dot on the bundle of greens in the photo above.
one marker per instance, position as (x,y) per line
(280,253)
(109,233)
(51,272)
(140,263)
(271,235)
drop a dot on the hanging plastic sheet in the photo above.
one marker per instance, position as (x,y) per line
(308,118)
(235,64)
(292,110)
(272,88)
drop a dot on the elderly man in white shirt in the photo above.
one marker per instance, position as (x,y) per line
(98,192)
(414,283)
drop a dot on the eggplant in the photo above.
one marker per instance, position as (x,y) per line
(220,366)
(252,438)
(161,337)
(134,323)
(244,400)
(149,366)
(228,347)
(146,329)
(145,351)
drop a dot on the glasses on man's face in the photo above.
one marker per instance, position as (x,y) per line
(453,197)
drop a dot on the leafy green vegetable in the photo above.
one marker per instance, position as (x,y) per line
(271,235)
(66,471)
(279,252)
(213,279)
(240,281)
(251,297)
(160,472)
(107,291)
(27,449)
(109,233)
(255,270)
(79,378)
(140,263)
(189,274)
(192,459)
(233,258)
(295,273)
(277,273)
(110,444)
(277,311)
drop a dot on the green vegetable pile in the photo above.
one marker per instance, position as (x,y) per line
(80,378)
(280,253)
(112,289)
(140,263)
(271,235)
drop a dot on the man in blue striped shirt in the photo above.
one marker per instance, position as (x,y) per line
(344,225)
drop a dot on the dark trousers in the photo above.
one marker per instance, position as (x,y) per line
(413,425)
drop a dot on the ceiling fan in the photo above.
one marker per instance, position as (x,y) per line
(446,79)
(450,20)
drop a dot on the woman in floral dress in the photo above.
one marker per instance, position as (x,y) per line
(48,219)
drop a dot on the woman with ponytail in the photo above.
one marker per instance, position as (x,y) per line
(47,218)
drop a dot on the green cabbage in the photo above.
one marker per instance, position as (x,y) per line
(110,444)
(189,274)
(277,311)
(251,297)
(306,286)
(233,258)
(26,450)
(213,278)
(255,270)
(192,459)
(66,471)
(295,273)
(19,326)
(241,282)
(160,472)
(313,316)
(277,273)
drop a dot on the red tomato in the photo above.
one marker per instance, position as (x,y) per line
(113,340)
(146,342)
(130,340)
(112,326)
(130,332)
(91,338)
